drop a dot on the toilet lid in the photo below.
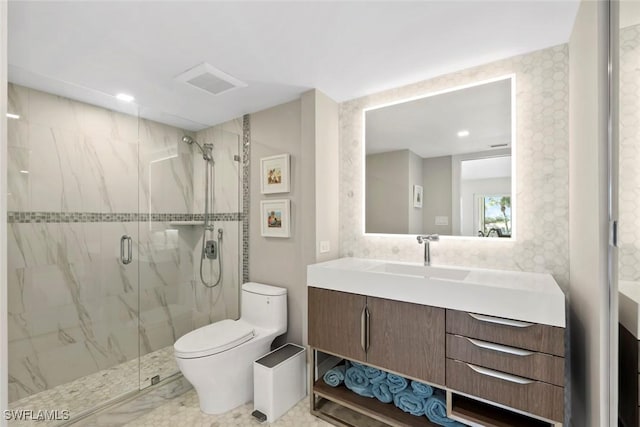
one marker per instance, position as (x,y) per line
(214,338)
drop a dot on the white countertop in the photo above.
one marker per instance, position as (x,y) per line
(629,302)
(529,297)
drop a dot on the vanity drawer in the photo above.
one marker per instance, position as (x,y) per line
(537,398)
(514,333)
(524,363)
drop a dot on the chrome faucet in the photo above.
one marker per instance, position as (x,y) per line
(426,240)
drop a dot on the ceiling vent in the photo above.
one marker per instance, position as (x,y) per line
(208,78)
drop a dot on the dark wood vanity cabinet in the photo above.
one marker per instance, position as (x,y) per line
(418,330)
(628,378)
(397,336)
(511,368)
(334,323)
(513,363)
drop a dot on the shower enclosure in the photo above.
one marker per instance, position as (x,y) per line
(106,217)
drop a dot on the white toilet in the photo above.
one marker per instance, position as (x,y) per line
(217,359)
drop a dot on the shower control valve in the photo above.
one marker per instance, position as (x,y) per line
(211,249)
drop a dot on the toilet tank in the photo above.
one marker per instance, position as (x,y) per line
(264,306)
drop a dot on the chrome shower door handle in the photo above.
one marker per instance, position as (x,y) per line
(129,257)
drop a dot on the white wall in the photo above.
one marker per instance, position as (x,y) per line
(278,261)
(436,173)
(327,149)
(386,186)
(4,339)
(588,217)
(301,128)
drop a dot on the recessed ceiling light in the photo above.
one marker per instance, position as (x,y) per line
(124,97)
(13,116)
(24,171)
(463,133)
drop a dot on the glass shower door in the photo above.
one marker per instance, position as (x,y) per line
(173,301)
(73,304)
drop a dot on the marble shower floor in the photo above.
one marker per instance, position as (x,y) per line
(95,390)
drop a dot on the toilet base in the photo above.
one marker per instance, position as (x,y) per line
(224,381)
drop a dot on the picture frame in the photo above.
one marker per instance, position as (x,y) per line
(274,172)
(418,195)
(275,218)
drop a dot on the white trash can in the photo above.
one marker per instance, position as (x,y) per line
(279,382)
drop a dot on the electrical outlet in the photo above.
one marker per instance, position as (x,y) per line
(325,246)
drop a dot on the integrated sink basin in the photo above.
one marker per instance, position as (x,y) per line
(528,297)
(629,306)
(421,271)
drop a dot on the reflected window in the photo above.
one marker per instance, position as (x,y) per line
(493,215)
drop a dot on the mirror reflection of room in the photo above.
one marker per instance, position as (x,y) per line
(442,164)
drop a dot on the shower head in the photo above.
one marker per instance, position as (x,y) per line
(206,150)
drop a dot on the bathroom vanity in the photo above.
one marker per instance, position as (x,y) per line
(493,340)
(629,343)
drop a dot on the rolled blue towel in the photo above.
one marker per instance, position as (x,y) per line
(435,409)
(356,364)
(357,381)
(396,383)
(409,402)
(381,391)
(375,375)
(421,390)
(334,376)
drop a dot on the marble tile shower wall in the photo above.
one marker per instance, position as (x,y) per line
(542,178)
(629,178)
(78,180)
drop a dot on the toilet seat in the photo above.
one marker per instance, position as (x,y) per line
(212,339)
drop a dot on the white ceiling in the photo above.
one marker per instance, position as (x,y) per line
(486,168)
(92,50)
(429,126)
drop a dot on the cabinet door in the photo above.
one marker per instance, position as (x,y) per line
(335,322)
(407,338)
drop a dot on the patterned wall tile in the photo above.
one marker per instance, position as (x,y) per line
(246,167)
(629,173)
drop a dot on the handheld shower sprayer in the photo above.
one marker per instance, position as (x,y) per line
(211,249)
(205,149)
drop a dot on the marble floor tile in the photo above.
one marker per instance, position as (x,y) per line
(96,390)
(185,411)
(170,404)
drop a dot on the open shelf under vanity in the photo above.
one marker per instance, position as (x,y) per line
(354,410)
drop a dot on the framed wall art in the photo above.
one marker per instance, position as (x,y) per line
(275,218)
(274,174)
(418,194)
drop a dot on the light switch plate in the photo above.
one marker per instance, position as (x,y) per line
(442,220)
(325,246)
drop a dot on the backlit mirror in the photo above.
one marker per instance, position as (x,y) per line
(442,163)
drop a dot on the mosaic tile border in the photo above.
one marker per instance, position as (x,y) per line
(66,217)
(246,155)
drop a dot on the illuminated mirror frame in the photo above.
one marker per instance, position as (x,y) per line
(513,147)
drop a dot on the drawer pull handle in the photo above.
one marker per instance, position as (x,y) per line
(499,348)
(363,329)
(500,321)
(367,317)
(499,375)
